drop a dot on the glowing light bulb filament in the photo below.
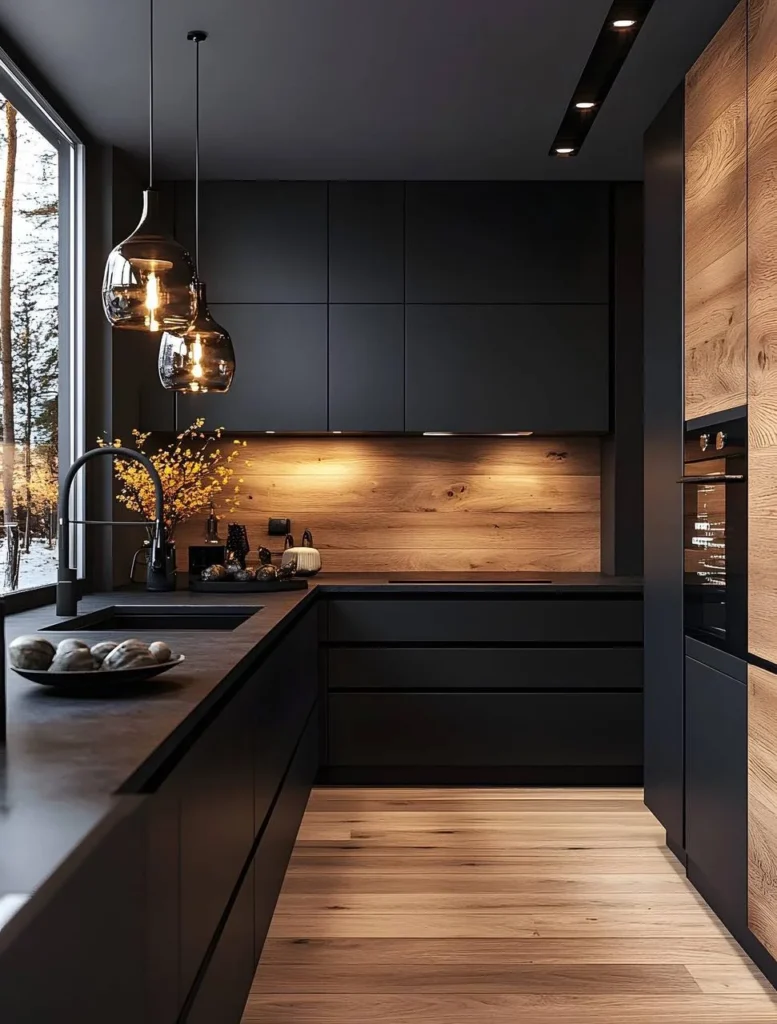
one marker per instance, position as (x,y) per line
(197,367)
(153,301)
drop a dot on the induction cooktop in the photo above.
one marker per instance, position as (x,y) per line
(473,578)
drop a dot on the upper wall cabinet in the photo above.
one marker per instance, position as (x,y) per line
(259,241)
(501,242)
(366,241)
(281,377)
(716,223)
(496,369)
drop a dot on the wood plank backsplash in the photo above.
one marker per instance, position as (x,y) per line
(430,504)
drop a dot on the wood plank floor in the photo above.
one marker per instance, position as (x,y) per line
(461,905)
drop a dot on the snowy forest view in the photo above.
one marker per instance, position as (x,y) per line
(29,356)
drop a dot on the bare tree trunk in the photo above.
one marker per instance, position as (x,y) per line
(27,433)
(6,349)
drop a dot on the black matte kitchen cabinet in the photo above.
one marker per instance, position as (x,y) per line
(281,371)
(716,790)
(366,367)
(83,957)
(500,242)
(485,730)
(216,782)
(224,987)
(502,368)
(366,241)
(663,465)
(260,241)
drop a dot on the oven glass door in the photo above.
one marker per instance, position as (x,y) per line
(705,523)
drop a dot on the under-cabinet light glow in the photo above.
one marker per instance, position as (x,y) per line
(624,23)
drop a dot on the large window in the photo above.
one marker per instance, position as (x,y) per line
(38,328)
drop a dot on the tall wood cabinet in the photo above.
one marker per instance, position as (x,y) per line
(762,469)
(716,223)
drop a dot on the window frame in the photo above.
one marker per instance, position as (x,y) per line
(71,150)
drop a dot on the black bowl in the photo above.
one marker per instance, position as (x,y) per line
(101,680)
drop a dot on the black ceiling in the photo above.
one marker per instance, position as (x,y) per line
(360,88)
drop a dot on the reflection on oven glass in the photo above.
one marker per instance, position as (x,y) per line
(708,539)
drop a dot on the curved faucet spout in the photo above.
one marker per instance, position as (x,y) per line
(66,577)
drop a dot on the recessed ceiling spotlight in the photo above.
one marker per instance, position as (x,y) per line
(620,27)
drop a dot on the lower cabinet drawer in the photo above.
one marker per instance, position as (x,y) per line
(507,619)
(224,987)
(478,729)
(495,668)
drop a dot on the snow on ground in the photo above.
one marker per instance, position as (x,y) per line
(37,569)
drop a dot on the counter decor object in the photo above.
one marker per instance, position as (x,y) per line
(307,558)
(237,544)
(212,527)
(102,669)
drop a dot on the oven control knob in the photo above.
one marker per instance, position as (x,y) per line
(721,438)
(704,442)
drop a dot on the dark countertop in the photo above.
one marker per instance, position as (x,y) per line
(71,762)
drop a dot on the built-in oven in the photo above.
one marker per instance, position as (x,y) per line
(715,535)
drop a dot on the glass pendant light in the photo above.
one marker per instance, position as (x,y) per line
(149,282)
(200,358)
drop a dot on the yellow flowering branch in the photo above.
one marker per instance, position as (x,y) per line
(193,473)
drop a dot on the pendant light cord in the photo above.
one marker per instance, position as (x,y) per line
(151,94)
(197,153)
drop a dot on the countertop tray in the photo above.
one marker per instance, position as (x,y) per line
(245,587)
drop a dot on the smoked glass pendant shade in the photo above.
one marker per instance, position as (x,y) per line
(199,359)
(150,279)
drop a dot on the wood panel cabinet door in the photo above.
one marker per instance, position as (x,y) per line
(716,223)
(762,806)
(762,329)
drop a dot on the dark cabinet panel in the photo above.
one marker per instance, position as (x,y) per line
(518,620)
(288,682)
(260,241)
(277,842)
(82,958)
(366,241)
(222,993)
(163,852)
(494,729)
(663,433)
(366,367)
(716,790)
(217,825)
(281,376)
(506,242)
(484,668)
(494,369)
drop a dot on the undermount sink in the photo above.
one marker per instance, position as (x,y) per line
(117,618)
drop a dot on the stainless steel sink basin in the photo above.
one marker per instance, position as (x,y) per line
(119,618)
